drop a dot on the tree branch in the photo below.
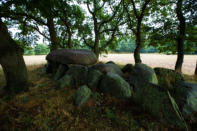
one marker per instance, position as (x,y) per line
(129,19)
(86,43)
(109,41)
(38,30)
(91,12)
(144,8)
(9,14)
(134,9)
(101,6)
(112,17)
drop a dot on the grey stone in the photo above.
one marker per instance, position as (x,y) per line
(115,85)
(82,95)
(155,100)
(72,56)
(65,81)
(142,73)
(127,68)
(94,76)
(79,74)
(110,62)
(191,99)
(168,78)
(60,71)
(105,68)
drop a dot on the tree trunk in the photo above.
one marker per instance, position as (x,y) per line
(138,43)
(196,69)
(53,34)
(69,39)
(12,62)
(96,46)
(181,37)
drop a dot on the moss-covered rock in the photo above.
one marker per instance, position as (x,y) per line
(79,74)
(127,68)
(94,76)
(168,78)
(82,95)
(60,71)
(191,102)
(155,100)
(65,81)
(109,67)
(141,73)
(115,85)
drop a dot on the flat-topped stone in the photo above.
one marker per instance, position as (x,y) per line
(72,56)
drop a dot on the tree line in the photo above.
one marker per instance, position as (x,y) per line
(98,25)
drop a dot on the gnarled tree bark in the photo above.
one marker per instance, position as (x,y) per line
(12,62)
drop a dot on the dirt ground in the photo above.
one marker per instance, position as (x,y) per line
(153,60)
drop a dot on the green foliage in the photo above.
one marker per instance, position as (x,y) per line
(29,51)
(41,49)
(164,27)
(128,45)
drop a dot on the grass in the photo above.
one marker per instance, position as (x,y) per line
(45,108)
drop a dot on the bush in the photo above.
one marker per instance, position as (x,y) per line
(41,49)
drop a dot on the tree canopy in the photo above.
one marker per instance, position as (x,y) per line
(100,25)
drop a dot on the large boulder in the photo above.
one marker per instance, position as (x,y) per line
(94,76)
(127,68)
(110,67)
(79,74)
(82,95)
(155,100)
(74,77)
(72,56)
(60,71)
(115,85)
(191,102)
(110,62)
(51,67)
(65,81)
(142,73)
(168,78)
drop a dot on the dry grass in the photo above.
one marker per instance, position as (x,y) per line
(44,108)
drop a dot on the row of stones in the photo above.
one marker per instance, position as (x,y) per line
(146,86)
